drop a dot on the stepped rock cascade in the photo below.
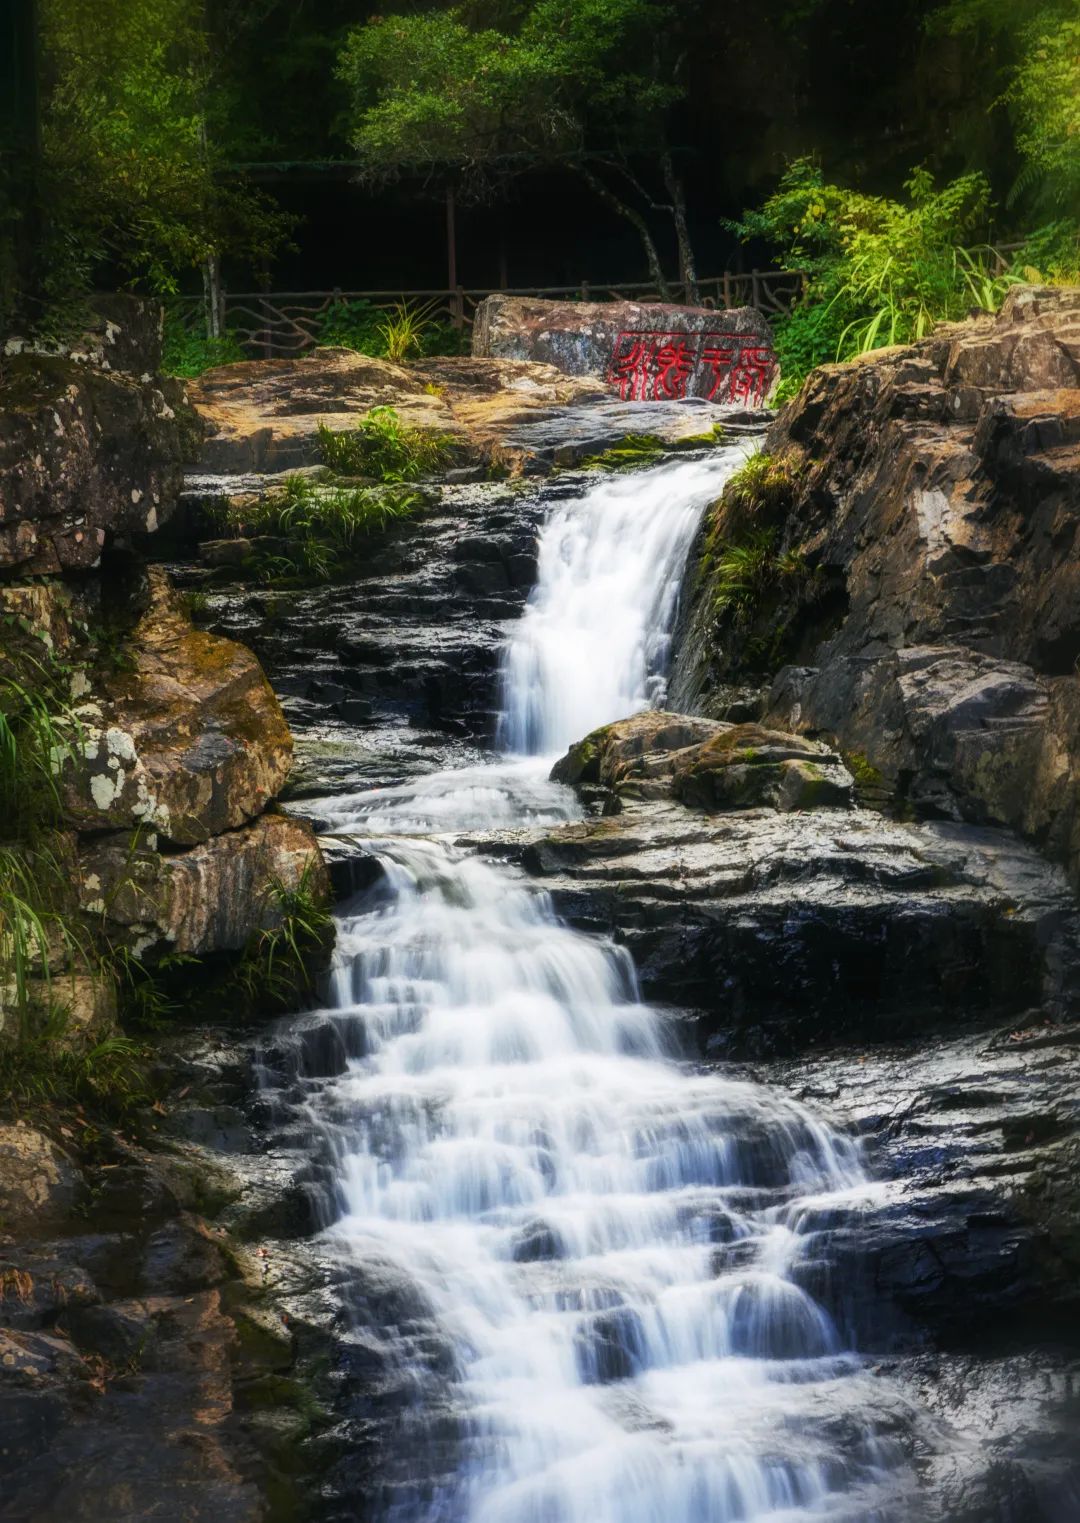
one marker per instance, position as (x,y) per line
(608,1319)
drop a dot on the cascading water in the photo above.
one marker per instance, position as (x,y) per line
(607,1323)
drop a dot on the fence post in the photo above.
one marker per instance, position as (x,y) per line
(459,307)
(727,289)
(584,290)
(755,287)
(265,309)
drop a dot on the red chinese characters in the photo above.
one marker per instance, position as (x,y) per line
(666,366)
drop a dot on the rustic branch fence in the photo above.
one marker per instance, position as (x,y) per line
(283,324)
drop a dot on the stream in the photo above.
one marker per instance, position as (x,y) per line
(606,1243)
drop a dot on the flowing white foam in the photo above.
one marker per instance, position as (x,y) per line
(594,641)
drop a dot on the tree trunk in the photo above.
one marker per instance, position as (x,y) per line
(687,267)
(609,198)
(212,294)
(457,312)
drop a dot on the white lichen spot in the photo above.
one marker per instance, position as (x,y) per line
(94,906)
(60,434)
(151,520)
(136,495)
(92,881)
(120,743)
(80,684)
(104,790)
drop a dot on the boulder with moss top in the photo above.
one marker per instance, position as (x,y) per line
(708,764)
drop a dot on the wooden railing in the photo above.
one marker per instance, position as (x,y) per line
(282,324)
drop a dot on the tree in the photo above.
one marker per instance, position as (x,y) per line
(130,179)
(1039,84)
(579,84)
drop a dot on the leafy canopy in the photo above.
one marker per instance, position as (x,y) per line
(431,89)
(131,176)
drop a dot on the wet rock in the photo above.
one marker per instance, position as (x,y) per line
(183,1256)
(36,1287)
(613,752)
(707,765)
(120,1333)
(783,929)
(749,766)
(39,1184)
(611,1346)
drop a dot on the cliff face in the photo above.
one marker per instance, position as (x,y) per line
(126,1323)
(926,607)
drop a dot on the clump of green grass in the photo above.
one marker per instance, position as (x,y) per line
(402,330)
(110,1076)
(744,572)
(313,529)
(765,484)
(384,447)
(280,962)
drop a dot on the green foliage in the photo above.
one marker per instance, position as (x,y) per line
(402,330)
(432,89)
(187,351)
(1045,98)
(384,447)
(878,271)
(280,962)
(744,570)
(630,454)
(1037,43)
(358,324)
(315,528)
(130,176)
(763,484)
(110,1076)
(351,325)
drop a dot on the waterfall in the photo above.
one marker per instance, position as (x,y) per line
(593,643)
(608,1318)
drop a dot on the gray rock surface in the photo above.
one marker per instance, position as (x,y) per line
(931,618)
(644,351)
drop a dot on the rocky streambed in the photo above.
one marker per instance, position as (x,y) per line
(814,928)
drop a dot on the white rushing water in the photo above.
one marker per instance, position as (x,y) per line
(606,1240)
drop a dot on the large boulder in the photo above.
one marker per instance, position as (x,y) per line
(88,456)
(187,742)
(264,415)
(645,351)
(708,765)
(925,611)
(211,898)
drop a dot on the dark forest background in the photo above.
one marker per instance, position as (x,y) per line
(311,144)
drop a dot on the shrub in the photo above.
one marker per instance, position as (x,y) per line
(878,271)
(186,350)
